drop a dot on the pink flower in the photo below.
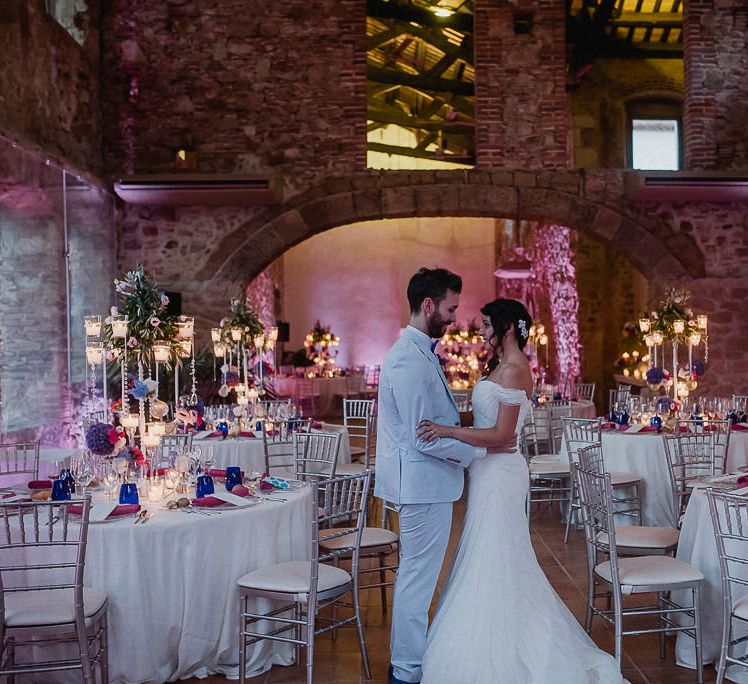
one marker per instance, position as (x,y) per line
(132,342)
(164,300)
(155,321)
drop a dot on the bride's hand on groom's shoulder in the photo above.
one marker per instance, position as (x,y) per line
(430,432)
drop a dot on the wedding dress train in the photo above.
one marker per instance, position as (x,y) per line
(499,619)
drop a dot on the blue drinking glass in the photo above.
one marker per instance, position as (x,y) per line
(60,491)
(67,477)
(233,477)
(204,486)
(128,493)
(656,422)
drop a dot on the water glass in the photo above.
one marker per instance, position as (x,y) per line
(233,477)
(204,486)
(60,491)
(128,493)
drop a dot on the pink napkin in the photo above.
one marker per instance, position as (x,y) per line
(247,434)
(220,472)
(743,480)
(737,426)
(122,509)
(608,426)
(208,501)
(240,490)
(317,425)
(217,433)
(40,484)
(8,495)
(648,428)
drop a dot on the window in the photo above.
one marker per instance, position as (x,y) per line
(654,135)
(72,15)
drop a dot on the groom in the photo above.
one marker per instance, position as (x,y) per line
(422,479)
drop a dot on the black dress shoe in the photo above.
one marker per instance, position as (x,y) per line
(396,680)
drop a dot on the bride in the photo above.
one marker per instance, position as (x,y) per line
(499,619)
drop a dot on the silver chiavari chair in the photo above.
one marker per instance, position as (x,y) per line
(619,398)
(740,402)
(658,574)
(691,457)
(272,408)
(578,433)
(42,596)
(171,446)
(462,400)
(279,446)
(583,391)
(358,419)
(303,587)
(721,431)
(729,513)
(316,455)
(19,458)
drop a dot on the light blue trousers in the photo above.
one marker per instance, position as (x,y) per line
(424,534)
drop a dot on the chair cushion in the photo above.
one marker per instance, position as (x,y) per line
(55,607)
(740,607)
(370,537)
(622,479)
(643,537)
(557,468)
(650,570)
(349,469)
(292,577)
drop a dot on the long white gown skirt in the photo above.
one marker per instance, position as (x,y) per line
(499,619)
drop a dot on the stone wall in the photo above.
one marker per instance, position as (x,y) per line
(49,85)
(521,107)
(715,39)
(248,86)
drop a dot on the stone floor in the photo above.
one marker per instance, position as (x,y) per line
(338,662)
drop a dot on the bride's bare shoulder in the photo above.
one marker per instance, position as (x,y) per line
(514,376)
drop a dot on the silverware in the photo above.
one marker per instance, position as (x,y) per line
(269,498)
(141,516)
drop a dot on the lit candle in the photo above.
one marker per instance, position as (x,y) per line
(219,350)
(119,326)
(215,334)
(185,347)
(236,334)
(702,321)
(695,338)
(92,324)
(185,327)
(161,353)
(644,325)
(259,342)
(679,326)
(155,489)
(129,421)
(94,353)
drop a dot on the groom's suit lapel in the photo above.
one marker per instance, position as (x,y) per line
(434,360)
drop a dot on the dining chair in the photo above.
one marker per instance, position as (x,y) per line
(690,458)
(19,458)
(549,479)
(583,391)
(316,455)
(740,402)
(42,596)
(279,447)
(721,431)
(306,395)
(618,398)
(729,514)
(171,446)
(632,540)
(616,576)
(359,421)
(462,400)
(300,588)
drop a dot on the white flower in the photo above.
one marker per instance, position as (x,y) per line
(164,300)
(113,311)
(654,315)
(225,368)
(223,391)
(155,321)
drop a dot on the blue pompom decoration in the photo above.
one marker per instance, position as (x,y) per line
(97,439)
(223,427)
(655,376)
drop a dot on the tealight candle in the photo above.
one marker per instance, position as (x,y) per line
(161,353)
(679,326)
(695,338)
(644,325)
(215,334)
(129,421)
(219,350)
(236,334)
(185,327)
(94,353)
(657,337)
(119,326)
(185,346)
(701,321)
(92,324)
(259,341)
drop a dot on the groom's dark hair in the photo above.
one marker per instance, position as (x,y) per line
(432,283)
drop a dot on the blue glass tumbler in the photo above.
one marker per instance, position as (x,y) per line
(233,477)
(128,493)
(60,491)
(204,486)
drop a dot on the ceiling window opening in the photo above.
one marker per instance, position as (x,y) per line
(655,144)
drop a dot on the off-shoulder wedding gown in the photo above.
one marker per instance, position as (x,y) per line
(499,619)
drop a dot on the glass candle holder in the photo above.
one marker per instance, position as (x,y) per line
(679,326)
(151,439)
(92,325)
(94,353)
(129,421)
(236,334)
(219,350)
(644,325)
(694,338)
(185,347)
(701,321)
(157,429)
(185,327)
(160,353)
(215,334)
(119,326)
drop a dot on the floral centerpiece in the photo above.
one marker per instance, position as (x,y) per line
(634,359)
(466,355)
(319,344)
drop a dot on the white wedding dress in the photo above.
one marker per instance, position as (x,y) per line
(499,619)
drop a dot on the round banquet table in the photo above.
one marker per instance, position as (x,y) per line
(248,453)
(643,453)
(697,547)
(171,582)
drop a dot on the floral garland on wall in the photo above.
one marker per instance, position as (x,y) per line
(260,295)
(553,265)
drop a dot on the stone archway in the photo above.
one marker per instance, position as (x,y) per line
(592,202)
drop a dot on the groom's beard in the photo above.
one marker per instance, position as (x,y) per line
(437,326)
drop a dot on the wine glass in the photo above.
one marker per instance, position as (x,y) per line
(109,478)
(82,470)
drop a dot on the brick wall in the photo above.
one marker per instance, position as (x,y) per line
(715,38)
(248,85)
(521,105)
(49,85)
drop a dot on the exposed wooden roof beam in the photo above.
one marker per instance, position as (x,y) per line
(649,20)
(382,38)
(393,10)
(394,116)
(419,81)
(420,154)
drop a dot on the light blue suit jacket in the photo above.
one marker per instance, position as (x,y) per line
(412,388)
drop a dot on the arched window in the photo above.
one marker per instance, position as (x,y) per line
(654,134)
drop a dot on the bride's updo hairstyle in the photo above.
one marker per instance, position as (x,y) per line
(503,313)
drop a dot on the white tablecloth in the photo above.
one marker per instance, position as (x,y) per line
(698,547)
(248,454)
(737,451)
(171,582)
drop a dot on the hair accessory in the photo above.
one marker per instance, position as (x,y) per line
(522,327)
